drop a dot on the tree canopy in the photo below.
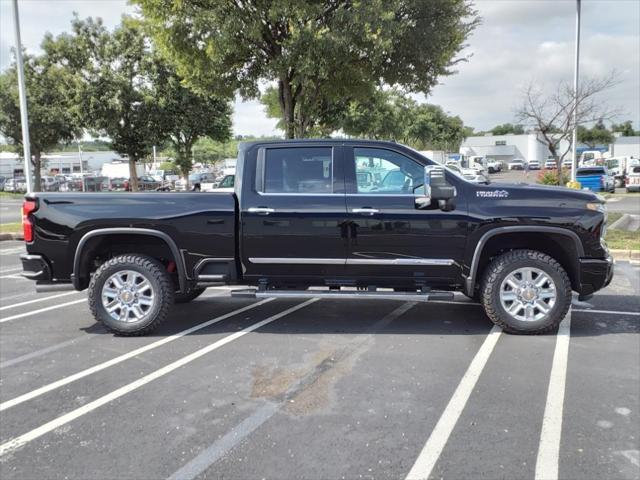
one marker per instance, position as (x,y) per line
(52,117)
(315,53)
(507,129)
(128,93)
(625,129)
(596,135)
(391,115)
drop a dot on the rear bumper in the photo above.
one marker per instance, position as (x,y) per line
(35,267)
(595,274)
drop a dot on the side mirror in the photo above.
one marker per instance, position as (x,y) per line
(435,187)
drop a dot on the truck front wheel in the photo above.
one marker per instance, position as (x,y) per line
(131,294)
(525,291)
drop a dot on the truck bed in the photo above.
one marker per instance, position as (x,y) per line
(202,224)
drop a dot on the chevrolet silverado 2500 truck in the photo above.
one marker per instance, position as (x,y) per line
(360,219)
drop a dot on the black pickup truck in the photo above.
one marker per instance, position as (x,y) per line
(327,218)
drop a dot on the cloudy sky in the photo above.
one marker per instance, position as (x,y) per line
(519,41)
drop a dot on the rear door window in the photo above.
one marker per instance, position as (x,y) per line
(298,170)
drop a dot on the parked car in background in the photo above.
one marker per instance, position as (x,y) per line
(468,174)
(49,184)
(20,185)
(550,164)
(96,184)
(195,182)
(145,183)
(632,180)
(9,185)
(516,164)
(567,163)
(118,184)
(494,166)
(534,165)
(596,179)
(226,185)
(3,179)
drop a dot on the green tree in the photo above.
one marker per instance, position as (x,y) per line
(116,84)
(380,117)
(507,129)
(186,116)
(391,115)
(626,129)
(596,135)
(314,52)
(52,120)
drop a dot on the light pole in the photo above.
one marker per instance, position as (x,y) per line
(24,117)
(574,137)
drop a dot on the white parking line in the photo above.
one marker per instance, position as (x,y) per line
(609,312)
(440,435)
(29,302)
(7,270)
(42,310)
(109,363)
(549,449)
(223,445)
(12,251)
(15,276)
(17,442)
(44,351)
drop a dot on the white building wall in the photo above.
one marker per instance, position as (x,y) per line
(625,147)
(525,146)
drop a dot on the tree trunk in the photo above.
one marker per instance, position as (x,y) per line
(287,105)
(37,164)
(133,174)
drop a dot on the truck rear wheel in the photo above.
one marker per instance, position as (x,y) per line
(131,294)
(525,291)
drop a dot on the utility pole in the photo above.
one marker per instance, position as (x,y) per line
(574,137)
(24,117)
(81,166)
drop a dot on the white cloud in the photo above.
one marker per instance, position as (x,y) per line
(518,41)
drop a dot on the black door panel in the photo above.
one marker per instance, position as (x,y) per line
(293,214)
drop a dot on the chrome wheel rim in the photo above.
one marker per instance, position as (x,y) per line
(528,294)
(128,296)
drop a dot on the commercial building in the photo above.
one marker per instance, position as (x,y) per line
(508,147)
(625,147)
(528,147)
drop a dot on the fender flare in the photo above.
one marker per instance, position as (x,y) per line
(182,274)
(473,269)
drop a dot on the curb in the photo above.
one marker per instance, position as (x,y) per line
(11,236)
(622,223)
(625,255)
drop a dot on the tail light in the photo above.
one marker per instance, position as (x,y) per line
(28,207)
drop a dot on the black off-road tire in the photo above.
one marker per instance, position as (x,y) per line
(506,263)
(154,272)
(192,294)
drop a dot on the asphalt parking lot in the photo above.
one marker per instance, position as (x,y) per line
(236,388)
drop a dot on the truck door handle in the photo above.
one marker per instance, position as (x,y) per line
(261,210)
(366,211)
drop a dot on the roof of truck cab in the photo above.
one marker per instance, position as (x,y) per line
(311,141)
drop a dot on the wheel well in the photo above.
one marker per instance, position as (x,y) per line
(560,247)
(96,250)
